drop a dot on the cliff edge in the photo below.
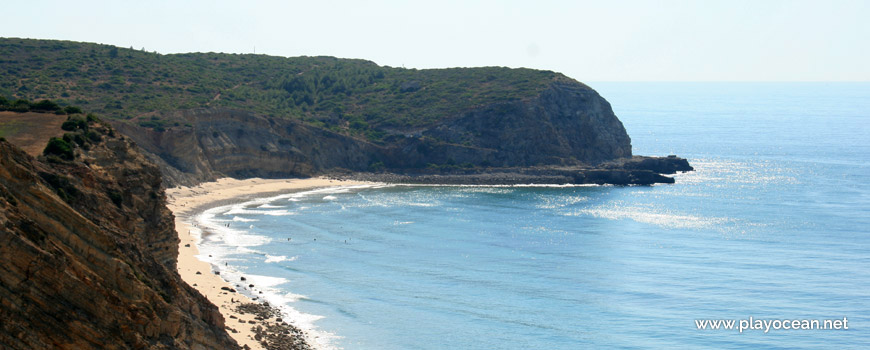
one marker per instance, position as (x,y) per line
(88,252)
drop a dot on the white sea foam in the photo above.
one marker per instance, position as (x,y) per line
(229,236)
(267,288)
(270,206)
(240,210)
(292,298)
(223,242)
(409,200)
(492,190)
(246,250)
(263,282)
(279,258)
(277,212)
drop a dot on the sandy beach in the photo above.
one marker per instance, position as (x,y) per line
(187,201)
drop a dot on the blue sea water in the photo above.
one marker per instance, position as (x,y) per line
(773,224)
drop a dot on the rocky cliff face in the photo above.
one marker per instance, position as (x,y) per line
(88,254)
(240,144)
(567,124)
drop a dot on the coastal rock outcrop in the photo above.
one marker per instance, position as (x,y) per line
(566,125)
(88,254)
(240,144)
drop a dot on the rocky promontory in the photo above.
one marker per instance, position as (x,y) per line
(568,134)
(203,116)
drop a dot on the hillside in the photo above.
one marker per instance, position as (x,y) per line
(89,251)
(347,95)
(202,116)
(30,131)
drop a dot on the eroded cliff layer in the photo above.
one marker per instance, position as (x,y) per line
(88,253)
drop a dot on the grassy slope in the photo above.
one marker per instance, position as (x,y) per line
(351,96)
(30,131)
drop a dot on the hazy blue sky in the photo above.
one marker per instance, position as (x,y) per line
(588,40)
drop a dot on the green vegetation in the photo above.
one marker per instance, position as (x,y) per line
(60,148)
(80,135)
(74,123)
(44,106)
(61,185)
(351,96)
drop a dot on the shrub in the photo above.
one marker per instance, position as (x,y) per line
(73,124)
(74,137)
(20,105)
(61,185)
(72,110)
(59,148)
(93,136)
(45,106)
(69,125)
(149,124)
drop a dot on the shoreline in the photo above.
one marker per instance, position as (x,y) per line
(184,202)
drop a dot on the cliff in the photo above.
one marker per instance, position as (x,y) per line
(88,253)
(566,125)
(242,144)
(201,116)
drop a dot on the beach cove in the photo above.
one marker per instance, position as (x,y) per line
(401,266)
(185,202)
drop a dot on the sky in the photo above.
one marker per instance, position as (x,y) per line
(622,40)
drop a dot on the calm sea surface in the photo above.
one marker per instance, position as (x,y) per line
(773,224)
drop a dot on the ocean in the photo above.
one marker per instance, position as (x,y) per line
(774,224)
